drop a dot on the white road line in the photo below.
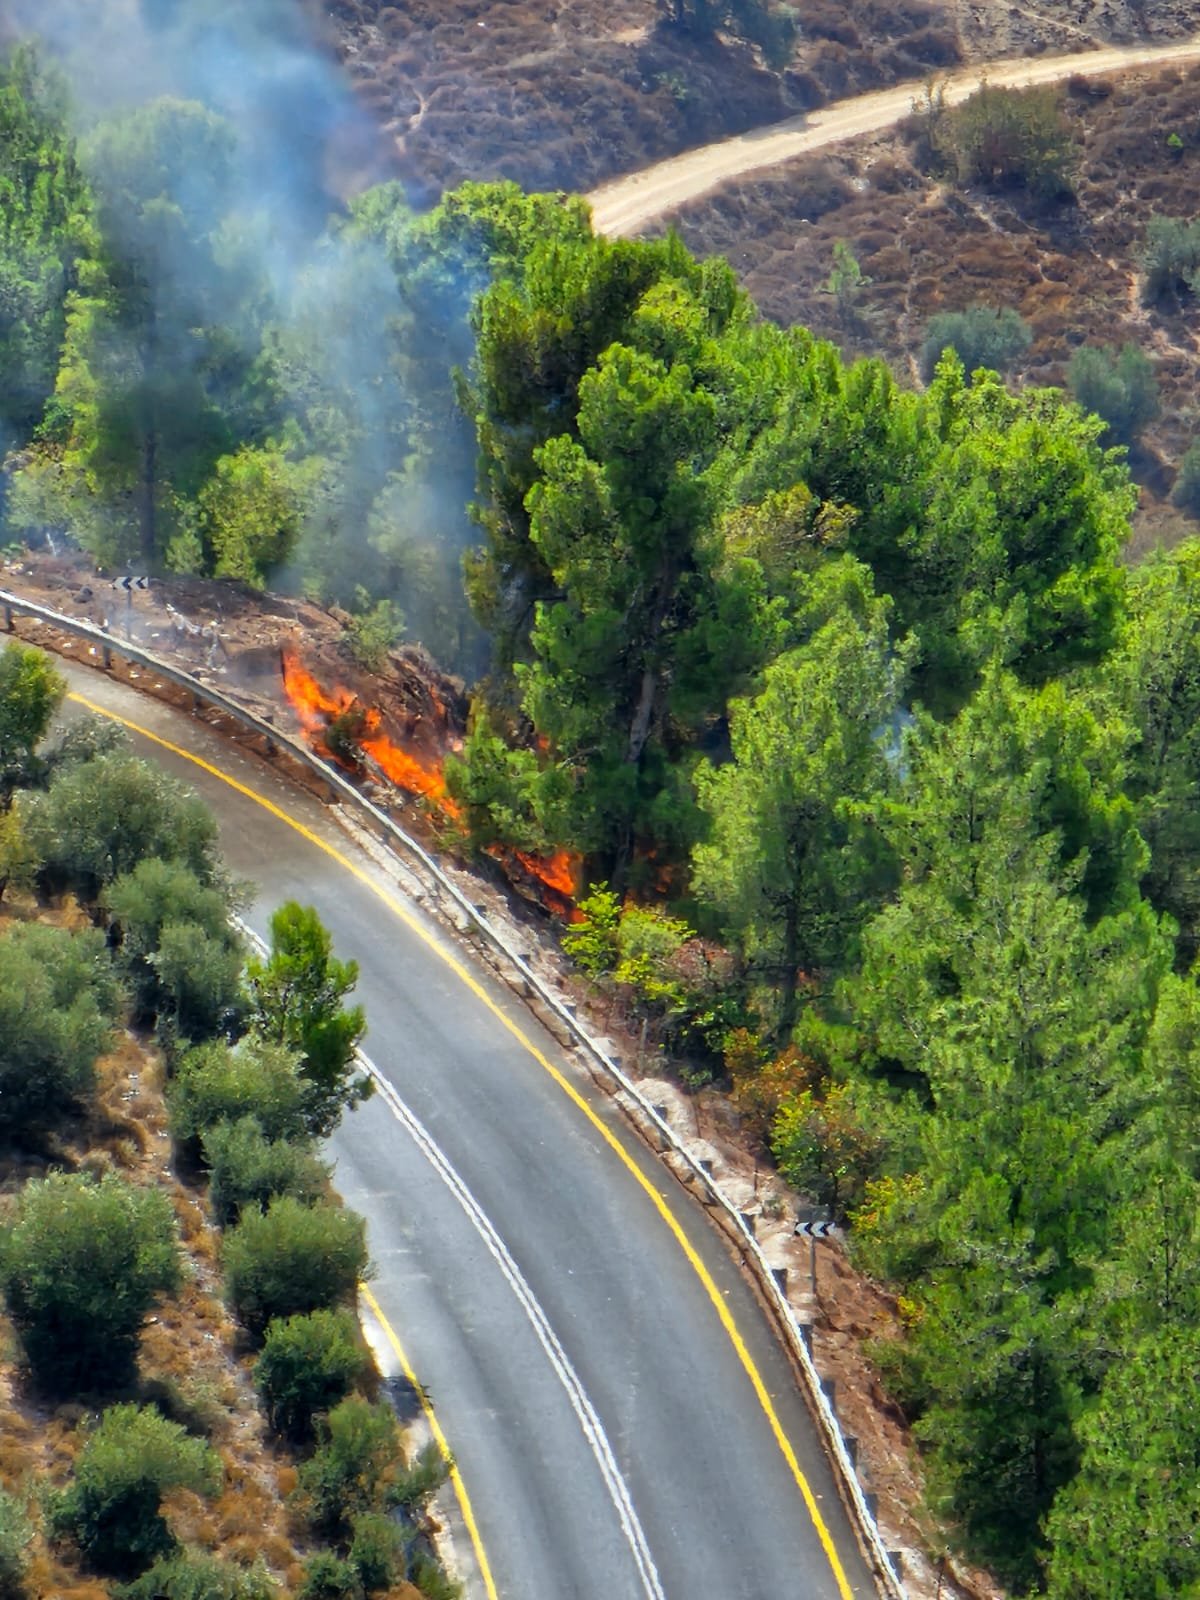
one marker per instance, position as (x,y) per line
(585,1412)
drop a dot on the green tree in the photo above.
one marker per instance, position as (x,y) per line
(292,1259)
(1170,259)
(100,818)
(247,1169)
(1125,1526)
(1118,385)
(297,994)
(58,1004)
(1013,138)
(358,1455)
(1186,493)
(980,337)
(193,1575)
(308,1364)
(251,512)
(330,1577)
(176,945)
(846,282)
(132,1458)
(18,862)
(82,1264)
(214,1084)
(16,1534)
(787,869)
(31,691)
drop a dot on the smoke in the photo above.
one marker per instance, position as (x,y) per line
(278,319)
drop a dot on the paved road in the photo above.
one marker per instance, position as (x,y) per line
(615,1450)
(630,204)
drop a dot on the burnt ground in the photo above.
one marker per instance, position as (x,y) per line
(564,94)
(1071,271)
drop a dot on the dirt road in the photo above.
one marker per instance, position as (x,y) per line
(630,204)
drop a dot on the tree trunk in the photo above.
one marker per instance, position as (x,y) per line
(791,955)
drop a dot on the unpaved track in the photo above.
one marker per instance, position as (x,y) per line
(631,204)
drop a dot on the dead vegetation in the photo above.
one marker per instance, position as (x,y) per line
(1069,269)
(564,94)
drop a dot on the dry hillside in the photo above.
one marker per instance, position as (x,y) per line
(567,93)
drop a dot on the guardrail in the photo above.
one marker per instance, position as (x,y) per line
(391,831)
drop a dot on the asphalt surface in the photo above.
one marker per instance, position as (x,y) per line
(606,1430)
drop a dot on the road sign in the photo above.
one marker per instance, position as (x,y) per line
(815,1230)
(128,583)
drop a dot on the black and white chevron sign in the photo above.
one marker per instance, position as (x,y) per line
(815,1230)
(130,583)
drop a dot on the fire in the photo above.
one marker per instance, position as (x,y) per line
(316,707)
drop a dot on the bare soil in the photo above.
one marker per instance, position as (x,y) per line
(564,94)
(1071,271)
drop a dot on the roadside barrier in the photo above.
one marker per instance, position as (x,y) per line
(468,917)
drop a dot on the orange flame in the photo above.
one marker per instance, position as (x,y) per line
(316,708)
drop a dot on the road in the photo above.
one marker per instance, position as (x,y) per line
(630,204)
(602,1410)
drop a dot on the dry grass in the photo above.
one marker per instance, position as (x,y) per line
(1070,271)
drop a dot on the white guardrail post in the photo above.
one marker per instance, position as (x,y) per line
(340,785)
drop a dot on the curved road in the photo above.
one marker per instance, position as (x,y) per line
(629,204)
(594,1361)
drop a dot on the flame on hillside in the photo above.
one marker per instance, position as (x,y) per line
(557,876)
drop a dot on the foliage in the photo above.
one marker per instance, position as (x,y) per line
(58,1004)
(308,1363)
(131,1459)
(1170,259)
(291,1259)
(297,995)
(373,633)
(980,337)
(250,512)
(31,690)
(592,941)
(247,1169)
(82,1263)
(379,1549)
(191,1575)
(16,1532)
(18,862)
(216,1084)
(1186,493)
(846,282)
(358,1455)
(772,28)
(1012,138)
(330,1577)
(1118,385)
(176,946)
(100,818)
(824,1148)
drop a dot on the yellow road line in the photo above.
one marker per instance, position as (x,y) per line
(597,1122)
(460,1488)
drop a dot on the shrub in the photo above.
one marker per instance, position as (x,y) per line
(981,337)
(31,690)
(308,1363)
(246,1169)
(823,1148)
(18,860)
(192,1575)
(329,1577)
(58,1002)
(113,1509)
(379,1549)
(176,945)
(15,1533)
(417,1484)
(427,1576)
(1118,386)
(1186,493)
(1012,138)
(592,941)
(99,818)
(1170,258)
(351,1469)
(372,634)
(214,1083)
(81,1267)
(297,995)
(291,1259)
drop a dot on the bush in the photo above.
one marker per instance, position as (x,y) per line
(18,860)
(58,1002)
(1118,386)
(372,634)
(1170,259)
(329,1577)
(1186,493)
(214,1084)
(81,1267)
(15,1533)
(1010,138)
(591,942)
(308,1363)
(31,690)
(113,1509)
(192,1575)
(175,943)
(352,1467)
(379,1550)
(99,818)
(981,337)
(291,1259)
(246,1169)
